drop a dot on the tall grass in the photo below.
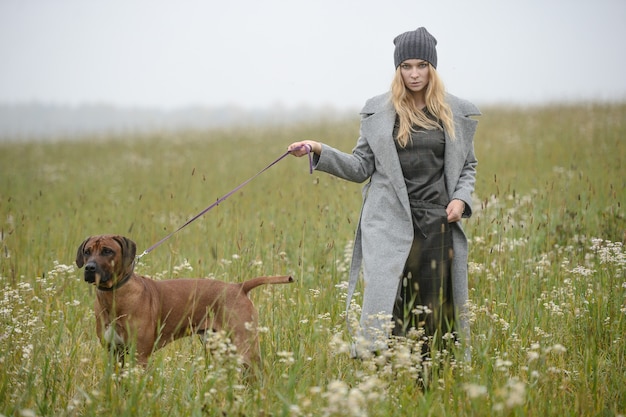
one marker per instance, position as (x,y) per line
(547,273)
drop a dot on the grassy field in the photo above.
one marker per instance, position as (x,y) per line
(547,273)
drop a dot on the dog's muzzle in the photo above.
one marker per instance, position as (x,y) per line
(92,270)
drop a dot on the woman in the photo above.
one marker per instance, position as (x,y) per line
(416,147)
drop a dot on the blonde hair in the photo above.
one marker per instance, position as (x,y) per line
(411,116)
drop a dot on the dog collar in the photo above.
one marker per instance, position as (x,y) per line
(117,285)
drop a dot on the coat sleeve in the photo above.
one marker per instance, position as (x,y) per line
(467,180)
(357,166)
(467,177)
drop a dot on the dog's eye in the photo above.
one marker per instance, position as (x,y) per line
(87,252)
(107,251)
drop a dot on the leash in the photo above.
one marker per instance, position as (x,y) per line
(219,200)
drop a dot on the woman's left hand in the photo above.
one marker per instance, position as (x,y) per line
(455,210)
(300,148)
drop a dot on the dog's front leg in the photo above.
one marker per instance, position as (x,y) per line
(114,340)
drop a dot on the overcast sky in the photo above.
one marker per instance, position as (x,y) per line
(259,53)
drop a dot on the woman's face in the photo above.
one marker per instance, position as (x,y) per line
(415,74)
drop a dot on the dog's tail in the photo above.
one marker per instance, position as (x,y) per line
(255,282)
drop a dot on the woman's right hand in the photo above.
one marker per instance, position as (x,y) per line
(304,147)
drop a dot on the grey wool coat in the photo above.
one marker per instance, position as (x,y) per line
(385,231)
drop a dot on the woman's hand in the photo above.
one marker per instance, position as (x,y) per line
(455,210)
(301,148)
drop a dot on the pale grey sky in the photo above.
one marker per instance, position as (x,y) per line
(259,53)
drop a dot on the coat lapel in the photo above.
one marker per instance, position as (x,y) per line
(379,126)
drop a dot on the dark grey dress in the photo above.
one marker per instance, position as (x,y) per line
(426,279)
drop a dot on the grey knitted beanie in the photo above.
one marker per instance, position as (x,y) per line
(417,44)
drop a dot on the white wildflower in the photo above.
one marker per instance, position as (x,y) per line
(285,357)
(475,390)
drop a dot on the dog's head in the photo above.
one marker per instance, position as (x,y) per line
(107,259)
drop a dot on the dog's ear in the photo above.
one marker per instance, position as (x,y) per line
(80,258)
(129,250)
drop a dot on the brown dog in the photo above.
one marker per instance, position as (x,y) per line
(153,313)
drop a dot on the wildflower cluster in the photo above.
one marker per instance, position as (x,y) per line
(31,314)
(340,399)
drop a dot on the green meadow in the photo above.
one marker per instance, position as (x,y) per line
(547,273)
